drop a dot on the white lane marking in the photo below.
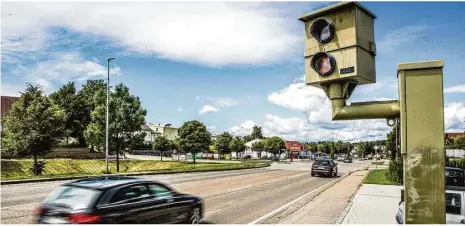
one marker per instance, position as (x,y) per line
(290,203)
(16,206)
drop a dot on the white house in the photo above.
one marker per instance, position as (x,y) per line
(248,151)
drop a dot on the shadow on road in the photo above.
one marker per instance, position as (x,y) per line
(207,222)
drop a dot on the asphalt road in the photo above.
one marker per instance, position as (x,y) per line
(231,197)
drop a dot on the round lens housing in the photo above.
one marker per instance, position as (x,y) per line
(322,30)
(323,63)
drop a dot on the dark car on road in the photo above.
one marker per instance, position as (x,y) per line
(455,177)
(324,166)
(119,200)
(347,159)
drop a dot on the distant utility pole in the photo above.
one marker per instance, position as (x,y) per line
(107,115)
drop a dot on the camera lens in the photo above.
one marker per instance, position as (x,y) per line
(323,63)
(322,30)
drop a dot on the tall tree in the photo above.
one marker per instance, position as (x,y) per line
(194,138)
(258,146)
(126,118)
(247,138)
(391,144)
(66,98)
(222,143)
(88,97)
(162,144)
(237,145)
(33,125)
(256,133)
(274,145)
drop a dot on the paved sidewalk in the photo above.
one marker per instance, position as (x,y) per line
(374,204)
(328,206)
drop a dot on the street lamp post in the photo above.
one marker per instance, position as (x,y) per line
(107,114)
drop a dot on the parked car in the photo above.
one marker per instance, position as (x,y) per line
(347,159)
(119,200)
(455,203)
(340,158)
(455,177)
(324,166)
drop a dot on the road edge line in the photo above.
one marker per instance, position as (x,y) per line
(317,191)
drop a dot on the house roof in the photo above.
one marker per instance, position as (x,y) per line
(250,143)
(455,135)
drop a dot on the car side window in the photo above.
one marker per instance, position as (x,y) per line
(130,192)
(160,191)
(453,203)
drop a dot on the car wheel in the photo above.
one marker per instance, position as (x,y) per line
(195,216)
(312,173)
(335,174)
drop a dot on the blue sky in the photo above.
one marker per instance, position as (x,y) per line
(229,65)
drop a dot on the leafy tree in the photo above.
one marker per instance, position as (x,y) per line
(194,138)
(247,138)
(126,118)
(88,97)
(274,145)
(33,126)
(66,98)
(391,144)
(366,147)
(222,143)
(256,133)
(258,146)
(162,144)
(237,145)
(460,142)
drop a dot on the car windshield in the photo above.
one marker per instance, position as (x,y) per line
(322,162)
(454,173)
(73,197)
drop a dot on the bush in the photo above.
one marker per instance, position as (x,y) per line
(75,153)
(396,171)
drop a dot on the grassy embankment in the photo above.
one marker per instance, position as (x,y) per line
(20,169)
(379,177)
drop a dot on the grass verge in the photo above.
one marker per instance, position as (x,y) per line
(19,169)
(378,177)
(378,163)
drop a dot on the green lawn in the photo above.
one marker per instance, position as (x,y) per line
(19,169)
(378,177)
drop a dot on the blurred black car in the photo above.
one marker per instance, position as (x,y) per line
(324,166)
(119,200)
(455,177)
(347,159)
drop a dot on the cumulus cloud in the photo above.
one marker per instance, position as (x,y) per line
(207,109)
(63,68)
(242,129)
(213,34)
(455,89)
(454,115)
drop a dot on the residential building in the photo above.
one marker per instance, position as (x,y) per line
(455,135)
(149,134)
(6,104)
(171,133)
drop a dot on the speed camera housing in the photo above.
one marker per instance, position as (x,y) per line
(339,45)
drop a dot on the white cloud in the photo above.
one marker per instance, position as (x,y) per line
(180,108)
(454,116)
(211,128)
(300,129)
(455,89)
(63,68)
(242,129)
(399,37)
(308,100)
(12,90)
(214,34)
(207,109)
